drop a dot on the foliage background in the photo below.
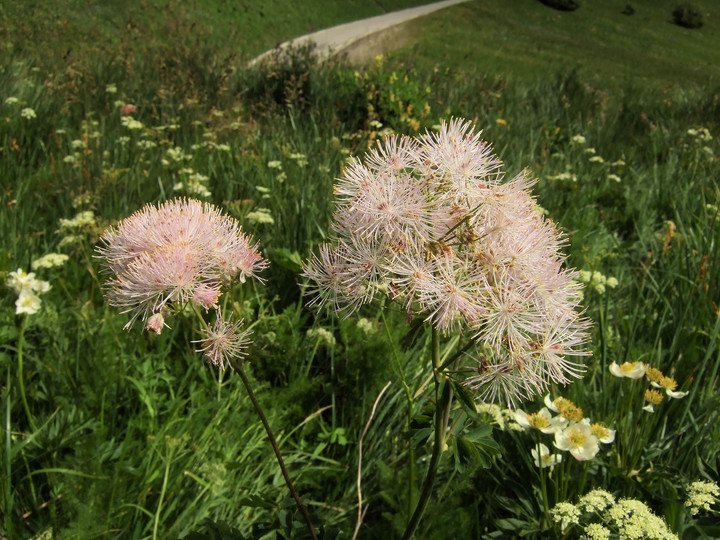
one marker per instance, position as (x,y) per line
(128,435)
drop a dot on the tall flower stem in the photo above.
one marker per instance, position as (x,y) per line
(21,376)
(543,482)
(410,407)
(238,368)
(442,413)
(7,492)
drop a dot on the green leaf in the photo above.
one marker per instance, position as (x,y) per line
(464,396)
(290,260)
(420,437)
(215,531)
(256,501)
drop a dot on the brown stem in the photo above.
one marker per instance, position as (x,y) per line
(239,370)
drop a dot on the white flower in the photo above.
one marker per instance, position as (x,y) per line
(21,280)
(50,261)
(565,514)
(675,395)
(614,178)
(130,123)
(11,100)
(81,220)
(701,495)
(578,440)
(260,216)
(541,420)
(604,434)
(595,531)
(545,458)
(322,336)
(28,302)
(579,139)
(110,88)
(631,370)
(28,113)
(596,500)
(649,408)
(596,159)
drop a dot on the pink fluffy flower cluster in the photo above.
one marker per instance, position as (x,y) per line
(161,258)
(430,223)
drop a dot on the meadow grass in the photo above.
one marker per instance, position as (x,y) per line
(110,433)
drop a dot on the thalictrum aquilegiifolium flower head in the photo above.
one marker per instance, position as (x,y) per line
(431,223)
(182,251)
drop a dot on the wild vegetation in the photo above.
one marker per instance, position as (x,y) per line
(115,433)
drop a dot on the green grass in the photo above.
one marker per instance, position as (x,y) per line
(525,39)
(109,433)
(67,27)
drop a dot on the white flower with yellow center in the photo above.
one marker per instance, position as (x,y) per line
(631,370)
(541,420)
(578,440)
(544,458)
(604,434)
(28,302)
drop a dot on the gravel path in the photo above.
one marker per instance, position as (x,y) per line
(342,37)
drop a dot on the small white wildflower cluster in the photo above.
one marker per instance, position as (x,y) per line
(28,288)
(701,496)
(566,176)
(175,155)
(366,326)
(430,223)
(192,183)
(701,134)
(597,280)
(653,397)
(504,419)
(51,260)
(700,140)
(276,165)
(321,336)
(591,153)
(625,518)
(573,433)
(260,216)
(131,123)
(566,514)
(300,159)
(73,230)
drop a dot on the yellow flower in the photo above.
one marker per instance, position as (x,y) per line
(653,397)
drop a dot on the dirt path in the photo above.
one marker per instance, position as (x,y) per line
(355,39)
